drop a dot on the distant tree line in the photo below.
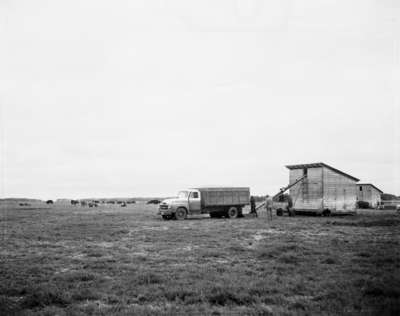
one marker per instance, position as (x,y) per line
(389,197)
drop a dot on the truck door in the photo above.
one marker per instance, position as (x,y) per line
(194,202)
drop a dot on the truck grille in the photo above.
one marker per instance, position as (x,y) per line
(163,206)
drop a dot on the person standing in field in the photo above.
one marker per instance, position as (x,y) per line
(268,206)
(253,206)
(290,205)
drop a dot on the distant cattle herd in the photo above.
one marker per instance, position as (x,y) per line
(95,203)
(92,203)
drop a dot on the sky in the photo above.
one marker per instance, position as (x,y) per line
(143,98)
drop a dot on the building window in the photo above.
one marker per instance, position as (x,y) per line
(360,188)
(305,171)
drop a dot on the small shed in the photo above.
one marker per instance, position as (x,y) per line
(324,190)
(369,193)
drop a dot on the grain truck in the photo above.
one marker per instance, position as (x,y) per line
(217,201)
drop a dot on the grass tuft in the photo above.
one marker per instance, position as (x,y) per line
(219,295)
(45,295)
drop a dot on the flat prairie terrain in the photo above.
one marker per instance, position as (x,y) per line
(64,260)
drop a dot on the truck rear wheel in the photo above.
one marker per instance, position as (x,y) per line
(180,214)
(233,212)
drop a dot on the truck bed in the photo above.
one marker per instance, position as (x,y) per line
(224,196)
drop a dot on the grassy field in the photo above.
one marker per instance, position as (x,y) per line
(65,260)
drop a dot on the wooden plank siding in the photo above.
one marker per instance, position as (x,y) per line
(368,193)
(308,193)
(323,189)
(339,192)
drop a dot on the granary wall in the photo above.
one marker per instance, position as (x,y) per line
(375,198)
(363,194)
(339,191)
(368,193)
(307,194)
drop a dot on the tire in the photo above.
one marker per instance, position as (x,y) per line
(180,214)
(233,212)
(279,212)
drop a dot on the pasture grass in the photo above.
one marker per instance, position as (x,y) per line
(64,260)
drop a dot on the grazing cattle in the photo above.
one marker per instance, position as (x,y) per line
(154,202)
(123,204)
(49,202)
(74,202)
(83,203)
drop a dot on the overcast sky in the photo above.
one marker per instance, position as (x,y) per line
(142,98)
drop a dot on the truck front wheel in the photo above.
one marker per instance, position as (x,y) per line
(233,212)
(180,214)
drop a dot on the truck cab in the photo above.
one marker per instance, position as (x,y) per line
(188,200)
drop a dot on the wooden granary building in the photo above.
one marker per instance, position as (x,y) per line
(323,190)
(369,193)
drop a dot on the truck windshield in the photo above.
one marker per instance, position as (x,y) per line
(183,194)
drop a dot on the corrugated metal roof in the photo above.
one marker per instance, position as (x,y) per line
(371,186)
(320,165)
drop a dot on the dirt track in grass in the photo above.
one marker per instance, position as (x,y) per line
(110,260)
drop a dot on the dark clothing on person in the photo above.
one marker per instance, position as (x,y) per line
(253,206)
(290,201)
